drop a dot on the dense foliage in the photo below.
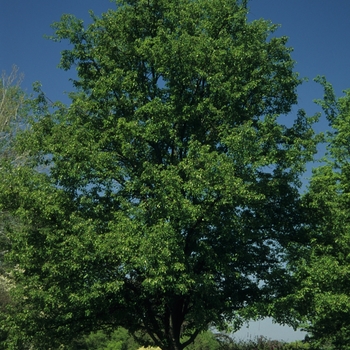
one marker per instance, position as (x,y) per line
(121,340)
(13,106)
(322,292)
(165,197)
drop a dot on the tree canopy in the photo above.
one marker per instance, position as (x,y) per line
(164,198)
(321,294)
(12,101)
(12,112)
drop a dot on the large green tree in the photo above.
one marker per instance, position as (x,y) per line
(165,197)
(321,292)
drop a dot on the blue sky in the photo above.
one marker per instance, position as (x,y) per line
(319,32)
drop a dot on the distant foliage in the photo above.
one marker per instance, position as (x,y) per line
(120,340)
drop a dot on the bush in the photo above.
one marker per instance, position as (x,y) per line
(120,339)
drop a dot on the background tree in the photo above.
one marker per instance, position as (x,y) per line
(322,289)
(12,101)
(171,195)
(11,105)
(12,112)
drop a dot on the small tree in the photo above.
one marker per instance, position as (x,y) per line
(12,100)
(172,192)
(12,112)
(322,292)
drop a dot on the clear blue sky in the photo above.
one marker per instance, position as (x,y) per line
(318,30)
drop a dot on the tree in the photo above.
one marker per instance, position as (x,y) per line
(12,100)
(322,289)
(12,111)
(171,192)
